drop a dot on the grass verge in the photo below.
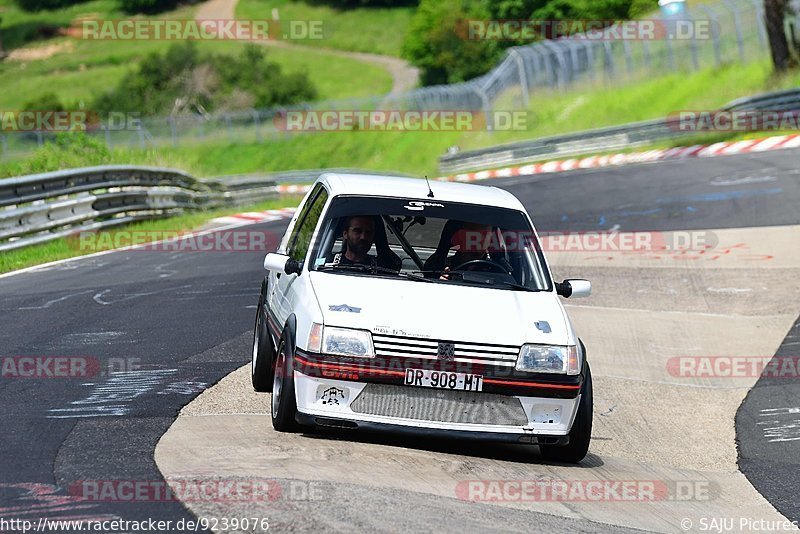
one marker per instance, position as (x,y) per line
(379,30)
(78,70)
(558,112)
(63,248)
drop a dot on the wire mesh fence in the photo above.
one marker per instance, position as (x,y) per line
(734,31)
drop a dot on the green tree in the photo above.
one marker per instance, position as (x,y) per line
(775,13)
(184,80)
(437,42)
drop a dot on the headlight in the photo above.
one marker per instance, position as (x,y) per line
(549,359)
(347,342)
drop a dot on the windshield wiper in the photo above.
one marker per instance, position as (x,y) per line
(462,276)
(514,285)
(371,269)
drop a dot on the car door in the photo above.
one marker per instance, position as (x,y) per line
(283,299)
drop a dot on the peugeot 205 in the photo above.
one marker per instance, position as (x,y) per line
(396,304)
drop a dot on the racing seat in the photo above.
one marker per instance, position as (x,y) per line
(386,256)
(437,260)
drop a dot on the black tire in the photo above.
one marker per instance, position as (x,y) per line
(263,356)
(284,403)
(581,432)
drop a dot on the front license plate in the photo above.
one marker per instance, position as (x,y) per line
(443,380)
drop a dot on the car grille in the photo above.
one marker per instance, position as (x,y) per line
(439,405)
(465,352)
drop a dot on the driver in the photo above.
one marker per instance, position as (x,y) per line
(357,237)
(470,240)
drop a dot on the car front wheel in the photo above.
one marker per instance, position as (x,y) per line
(581,432)
(263,353)
(284,402)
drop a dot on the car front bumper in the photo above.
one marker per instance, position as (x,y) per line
(433,412)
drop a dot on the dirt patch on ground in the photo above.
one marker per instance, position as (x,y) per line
(40,52)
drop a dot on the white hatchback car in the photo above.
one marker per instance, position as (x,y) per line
(400,305)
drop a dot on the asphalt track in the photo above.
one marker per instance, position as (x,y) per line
(181,320)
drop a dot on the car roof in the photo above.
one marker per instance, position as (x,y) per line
(416,188)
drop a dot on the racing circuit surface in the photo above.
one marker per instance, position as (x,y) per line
(187,317)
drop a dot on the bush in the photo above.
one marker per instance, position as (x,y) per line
(39,5)
(45,102)
(148,6)
(66,150)
(183,80)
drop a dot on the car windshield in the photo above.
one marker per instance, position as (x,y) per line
(432,241)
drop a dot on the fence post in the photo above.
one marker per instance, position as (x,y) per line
(693,48)
(573,54)
(487,106)
(257,124)
(626,48)
(738,25)
(670,53)
(228,126)
(761,22)
(173,130)
(556,54)
(590,60)
(549,72)
(608,59)
(523,76)
(714,36)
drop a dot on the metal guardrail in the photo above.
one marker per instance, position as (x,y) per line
(42,207)
(305,176)
(602,139)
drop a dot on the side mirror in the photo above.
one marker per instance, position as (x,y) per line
(574,287)
(282,264)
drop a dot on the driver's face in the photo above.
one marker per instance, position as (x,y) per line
(360,235)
